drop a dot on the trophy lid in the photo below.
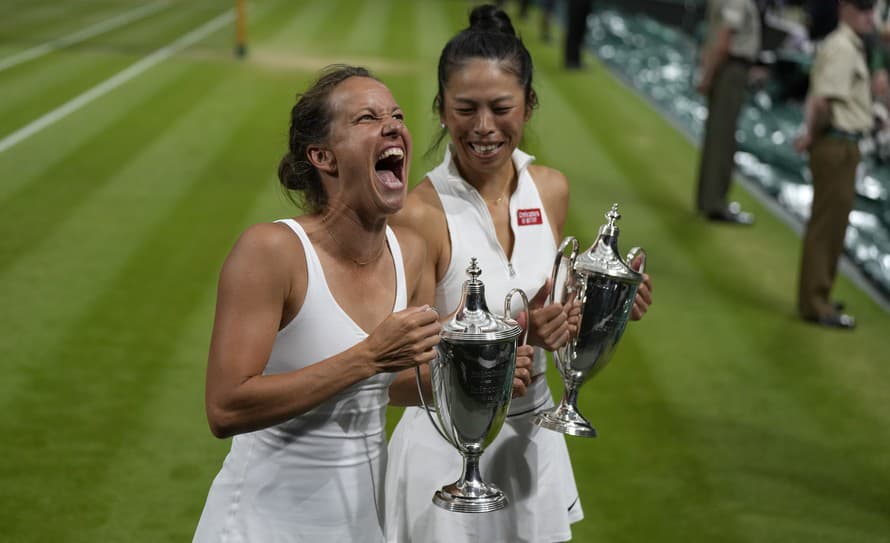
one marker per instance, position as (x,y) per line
(473,322)
(603,256)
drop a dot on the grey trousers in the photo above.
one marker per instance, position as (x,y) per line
(728,93)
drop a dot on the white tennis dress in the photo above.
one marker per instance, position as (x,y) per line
(319,476)
(530,464)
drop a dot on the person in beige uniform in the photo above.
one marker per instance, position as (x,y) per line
(838,112)
(732,46)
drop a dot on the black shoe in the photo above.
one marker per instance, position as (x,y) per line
(836,320)
(838,306)
(731,214)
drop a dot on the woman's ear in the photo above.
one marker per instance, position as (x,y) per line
(322,158)
(530,105)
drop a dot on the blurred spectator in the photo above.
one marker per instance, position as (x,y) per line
(547,7)
(838,113)
(576,27)
(732,45)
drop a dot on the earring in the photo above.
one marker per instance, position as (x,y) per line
(441,125)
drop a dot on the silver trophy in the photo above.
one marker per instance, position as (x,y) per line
(604,288)
(472,381)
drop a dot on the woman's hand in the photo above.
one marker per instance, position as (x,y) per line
(404,339)
(522,376)
(548,324)
(644,293)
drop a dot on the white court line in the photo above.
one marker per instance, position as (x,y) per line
(81,35)
(116,80)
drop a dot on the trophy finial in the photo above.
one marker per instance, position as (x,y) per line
(613,214)
(474,271)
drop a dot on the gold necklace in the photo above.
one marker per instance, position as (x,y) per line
(504,194)
(345,251)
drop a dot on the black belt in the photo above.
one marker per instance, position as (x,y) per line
(844,134)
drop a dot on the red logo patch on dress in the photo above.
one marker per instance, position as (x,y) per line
(525,217)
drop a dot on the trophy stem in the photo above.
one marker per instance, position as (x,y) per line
(470,494)
(565,417)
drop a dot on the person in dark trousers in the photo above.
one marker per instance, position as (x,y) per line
(732,46)
(576,28)
(838,112)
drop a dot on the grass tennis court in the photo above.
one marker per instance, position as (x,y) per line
(134,154)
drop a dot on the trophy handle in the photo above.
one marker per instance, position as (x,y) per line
(426,408)
(507,301)
(635,252)
(556,263)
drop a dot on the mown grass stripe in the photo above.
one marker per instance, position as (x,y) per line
(112,83)
(369,26)
(95,168)
(148,35)
(128,334)
(633,465)
(31,22)
(28,91)
(37,157)
(53,281)
(307,26)
(81,35)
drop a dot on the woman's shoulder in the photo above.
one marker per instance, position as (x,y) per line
(268,236)
(551,183)
(267,262)
(421,208)
(267,248)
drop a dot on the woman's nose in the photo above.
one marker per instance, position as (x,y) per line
(483,124)
(392,127)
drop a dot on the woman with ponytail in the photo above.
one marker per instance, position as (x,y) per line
(315,315)
(486,199)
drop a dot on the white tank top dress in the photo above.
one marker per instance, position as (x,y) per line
(530,464)
(319,476)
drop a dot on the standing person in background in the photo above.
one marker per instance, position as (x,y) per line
(314,317)
(838,112)
(487,200)
(576,28)
(731,47)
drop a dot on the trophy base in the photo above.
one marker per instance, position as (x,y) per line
(480,500)
(567,422)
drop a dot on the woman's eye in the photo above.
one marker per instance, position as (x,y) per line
(399,116)
(367,117)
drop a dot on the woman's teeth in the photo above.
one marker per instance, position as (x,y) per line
(392,151)
(484,148)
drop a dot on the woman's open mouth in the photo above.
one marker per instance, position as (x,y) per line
(389,167)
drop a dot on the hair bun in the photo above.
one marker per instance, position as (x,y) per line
(490,18)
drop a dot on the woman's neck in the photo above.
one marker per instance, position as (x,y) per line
(494,186)
(349,237)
